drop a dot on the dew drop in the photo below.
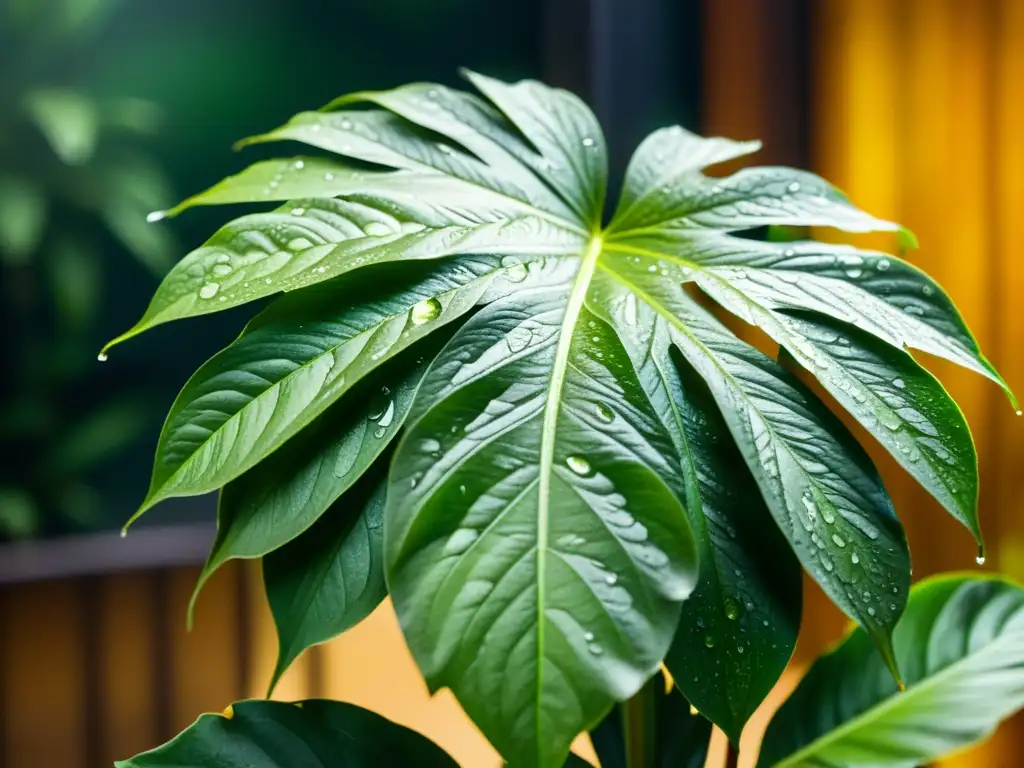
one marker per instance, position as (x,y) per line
(221,270)
(693,710)
(102,357)
(430,445)
(596,649)
(209,290)
(604,413)
(794,187)
(328,176)
(299,165)
(882,265)
(854,558)
(1019,412)
(298,211)
(588,142)
(838,540)
(732,610)
(579,465)
(299,244)
(899,383)
(709,641)
(425,311)
(518,339)
(346,125)
(927,290)
(740,649)
(611,579)
(871,611)
(154,216)
(980,559)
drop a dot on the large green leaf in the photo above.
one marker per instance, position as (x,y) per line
(331,577)
(536,547)
(310,734)
(298,357)
(961,648)
(590,429)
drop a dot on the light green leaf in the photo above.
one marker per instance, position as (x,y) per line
(536,548)
(297,358)
(961,647)
(273,503)
(311,734)
(69,121)
(331,577)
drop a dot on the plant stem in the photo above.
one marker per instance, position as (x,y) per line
(732,756)
(639,726)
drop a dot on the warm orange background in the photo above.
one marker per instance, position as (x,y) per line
(917,113)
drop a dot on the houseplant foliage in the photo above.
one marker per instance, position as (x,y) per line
(522,422)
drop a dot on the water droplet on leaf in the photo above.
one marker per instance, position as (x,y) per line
(579,465)
(425,311)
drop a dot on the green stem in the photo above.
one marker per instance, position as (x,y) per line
(639,726)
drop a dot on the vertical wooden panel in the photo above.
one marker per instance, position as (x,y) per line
(44,677)
(128,719)
(202,662)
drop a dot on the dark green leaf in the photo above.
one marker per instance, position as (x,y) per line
(960,645)
(276,501)
(310,734)
(331,577)
(819,484)
(739,626)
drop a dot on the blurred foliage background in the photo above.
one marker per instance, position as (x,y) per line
(107,109)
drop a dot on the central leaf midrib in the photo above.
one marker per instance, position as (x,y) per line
(890,702)
(573,307)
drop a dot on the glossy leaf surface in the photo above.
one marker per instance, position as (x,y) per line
(591,445)
(961,648)
(306,734)
(329,578)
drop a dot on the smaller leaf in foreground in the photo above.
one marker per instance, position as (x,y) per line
(331,577)
(306,734)
(960,645)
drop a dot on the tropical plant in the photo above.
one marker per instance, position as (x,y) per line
(521,421)
(74,181)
